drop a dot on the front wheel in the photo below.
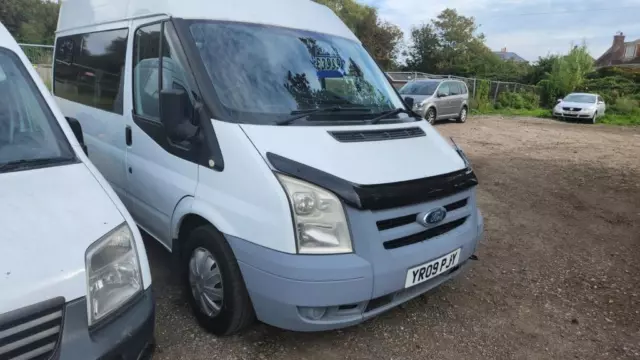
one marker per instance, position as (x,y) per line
(431,116)
(462,117)
(594,118)
(213,283)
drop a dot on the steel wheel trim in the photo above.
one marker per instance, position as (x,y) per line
(463,115)
(206,282)
(431,116)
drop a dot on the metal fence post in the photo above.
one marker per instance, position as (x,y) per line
(495,96)
(474,87)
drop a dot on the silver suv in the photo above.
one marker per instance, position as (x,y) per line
(437,99)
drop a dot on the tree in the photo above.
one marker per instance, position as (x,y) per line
(567,74)
(30,21)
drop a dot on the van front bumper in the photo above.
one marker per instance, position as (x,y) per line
(128,336)
(317,293)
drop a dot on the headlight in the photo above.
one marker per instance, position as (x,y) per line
(319,220)
(420,105)
(113,273)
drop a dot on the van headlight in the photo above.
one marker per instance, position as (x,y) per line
(319,219)
(113,273)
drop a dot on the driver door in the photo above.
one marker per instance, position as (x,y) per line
(443,101)
(160,172)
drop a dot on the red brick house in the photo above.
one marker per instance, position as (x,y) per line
(621,53)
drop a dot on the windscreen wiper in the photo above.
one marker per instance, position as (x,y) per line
(388,114)
(18,164)
(300,114)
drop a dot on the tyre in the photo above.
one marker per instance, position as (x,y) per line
(430,116)
(214,284)
(462,117)
(594,118)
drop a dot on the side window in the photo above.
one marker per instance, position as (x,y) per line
(89,69)
(444,89)
(149,68)
(463,87)
(455,88)
(146,71)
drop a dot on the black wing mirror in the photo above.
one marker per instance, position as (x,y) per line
(176,114)
(409,102)
(77,131)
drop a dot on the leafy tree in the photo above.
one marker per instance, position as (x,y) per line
(30,21)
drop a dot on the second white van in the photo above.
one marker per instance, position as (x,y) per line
(74,277)
(261,144)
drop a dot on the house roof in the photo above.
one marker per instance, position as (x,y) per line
(507,55)
(614,55)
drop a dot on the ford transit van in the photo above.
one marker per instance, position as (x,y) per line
(74,277)
(260,143)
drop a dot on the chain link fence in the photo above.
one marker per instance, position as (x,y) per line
(38,54)
(489,90)
(41,56)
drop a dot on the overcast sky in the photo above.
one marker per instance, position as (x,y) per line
(519,25)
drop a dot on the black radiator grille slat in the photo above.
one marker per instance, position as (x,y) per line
(424,235)
(377,135)
(456,205)
(408,219)
(396,222)
(33,332)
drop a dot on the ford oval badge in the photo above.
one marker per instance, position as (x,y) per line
(434,216)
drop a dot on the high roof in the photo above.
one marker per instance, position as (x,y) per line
(296,14)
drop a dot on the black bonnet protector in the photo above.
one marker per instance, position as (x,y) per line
(380,196)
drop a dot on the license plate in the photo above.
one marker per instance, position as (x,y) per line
(428,271)
(571,113)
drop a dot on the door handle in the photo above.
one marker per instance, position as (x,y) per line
(128,135)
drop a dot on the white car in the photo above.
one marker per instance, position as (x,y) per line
(74,277)
(580,106)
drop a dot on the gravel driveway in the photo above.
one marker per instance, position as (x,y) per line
(559,269)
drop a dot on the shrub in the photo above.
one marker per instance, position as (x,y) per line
(626,106)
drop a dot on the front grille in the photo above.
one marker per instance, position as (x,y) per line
(571,109)
(377,135)
(408,219)
(33,332)
(424,235)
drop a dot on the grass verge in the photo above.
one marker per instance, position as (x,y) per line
(609,119)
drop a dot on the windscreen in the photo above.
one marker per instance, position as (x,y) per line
(28,129)
(581,98)
(419,88)
(263,73)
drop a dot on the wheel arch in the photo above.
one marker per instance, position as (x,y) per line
(190,214)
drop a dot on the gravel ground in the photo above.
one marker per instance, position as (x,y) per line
(558,276)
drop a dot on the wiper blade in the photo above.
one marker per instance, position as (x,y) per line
(300,114)
(388,114)
(17,164)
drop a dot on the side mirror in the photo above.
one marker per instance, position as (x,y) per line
(441,95)
(559,100)
(409,101)
(77,131)
(174,114)
(600,102)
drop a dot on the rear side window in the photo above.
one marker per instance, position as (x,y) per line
(89,69)
(455,88)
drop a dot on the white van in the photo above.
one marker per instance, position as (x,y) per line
(74,277)
(261,144)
